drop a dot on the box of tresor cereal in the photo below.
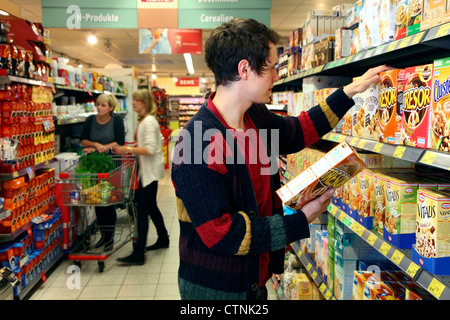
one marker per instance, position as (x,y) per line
(391,85)
(332,170)
(433,224)
(417,106)
(440,115)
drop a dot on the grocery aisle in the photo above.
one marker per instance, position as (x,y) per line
(155,280)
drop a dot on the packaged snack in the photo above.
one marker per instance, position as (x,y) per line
(417,106)
(414,16)
(432,14)
(379,202)
(370,107)
(332,170)
(387,20)
(433,224)
(400,210)
(390,91)
(440,115)
(401,19)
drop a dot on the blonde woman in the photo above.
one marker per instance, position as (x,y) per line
(150,169)
(100,133)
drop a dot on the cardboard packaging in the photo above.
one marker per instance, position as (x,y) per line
(440,115)
(391,87)
(433,13)
(416,118)
(331,171)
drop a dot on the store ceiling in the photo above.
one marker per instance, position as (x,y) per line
(286,15)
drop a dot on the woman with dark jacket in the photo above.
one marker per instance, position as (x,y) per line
(100,133)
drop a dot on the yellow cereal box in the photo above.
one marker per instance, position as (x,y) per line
(440,116)
(433,224)
(304,287)
(389,107)
(332,170)
(379,201)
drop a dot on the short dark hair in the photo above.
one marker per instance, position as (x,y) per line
(235,40)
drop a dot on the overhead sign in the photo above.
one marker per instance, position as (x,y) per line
(224,4)
(121,14)
(187,82)
(210,18)
(170,41)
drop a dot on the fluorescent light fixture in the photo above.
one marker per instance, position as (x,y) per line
(189,63)
(92,39)
(3,13)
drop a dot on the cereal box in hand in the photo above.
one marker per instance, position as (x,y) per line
(332,170)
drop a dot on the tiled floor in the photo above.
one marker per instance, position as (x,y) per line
(155,280)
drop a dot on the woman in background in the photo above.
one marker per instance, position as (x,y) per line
(148,148)
(100,133)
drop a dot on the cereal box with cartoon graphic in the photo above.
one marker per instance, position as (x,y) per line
(417,97)
(391,86)
(332,170)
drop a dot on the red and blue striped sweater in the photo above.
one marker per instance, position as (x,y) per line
(222,234)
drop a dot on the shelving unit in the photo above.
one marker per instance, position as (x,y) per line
(416,49)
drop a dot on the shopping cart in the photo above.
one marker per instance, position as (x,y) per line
(101,189)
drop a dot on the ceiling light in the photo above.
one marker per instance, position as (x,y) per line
(66,60)
(175,79)
(80,66)
(154,76)
(3,13)
(189,63)
(92,39)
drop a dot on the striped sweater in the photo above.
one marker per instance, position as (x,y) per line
(221,233)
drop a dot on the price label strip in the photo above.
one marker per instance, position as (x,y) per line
(436,288)
(428,157)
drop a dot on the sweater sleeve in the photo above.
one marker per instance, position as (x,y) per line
(86,130)
(297,133)
(205,199)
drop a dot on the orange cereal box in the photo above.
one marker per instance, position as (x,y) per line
(332,170)
(440,115)
(417,97)
(389,106)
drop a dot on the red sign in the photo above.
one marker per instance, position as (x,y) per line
(170,41)
(187,82)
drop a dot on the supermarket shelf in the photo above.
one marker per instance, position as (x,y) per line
(433,158)
(438,286)
(90,92)
(6,237)
(9,79)
(24,291)
(24,171)
(397,151)
(4,213)
(419,48)
(326,292)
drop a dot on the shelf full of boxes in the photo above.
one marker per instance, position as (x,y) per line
(406,239)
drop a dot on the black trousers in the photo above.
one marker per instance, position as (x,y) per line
(106,220)
(147,206)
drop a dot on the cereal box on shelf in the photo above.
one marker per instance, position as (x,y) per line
(400,210)
(332,170)
(432,13)
(414,16)
(370,107)
(440,115)
(358,116)
(401,19)
(416,106)
(379,202)
(389,106)
(433,224)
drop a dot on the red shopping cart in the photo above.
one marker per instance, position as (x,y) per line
(87,191)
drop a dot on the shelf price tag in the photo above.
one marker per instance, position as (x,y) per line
(309,266)
(332,209)
(359,229)
(327,295)
(314,275)
(322,287)
(412,269)
(443,30)
(436,288)
(399,151)
(404,43)
(361,143)
(397,257)
(378,147)
(385,247)
(428,157)
(371,239)
(353,141)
